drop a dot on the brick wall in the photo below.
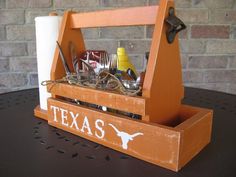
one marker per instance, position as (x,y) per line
(208,46)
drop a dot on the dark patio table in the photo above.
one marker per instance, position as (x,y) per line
(29,147)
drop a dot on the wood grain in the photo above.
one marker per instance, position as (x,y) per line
(113,100)
(118,17)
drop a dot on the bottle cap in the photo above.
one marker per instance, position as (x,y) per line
(121,51)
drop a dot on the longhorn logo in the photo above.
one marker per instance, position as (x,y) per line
(125,137)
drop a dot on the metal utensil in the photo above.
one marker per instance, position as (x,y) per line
(131,84)
(131,73)
(63,59)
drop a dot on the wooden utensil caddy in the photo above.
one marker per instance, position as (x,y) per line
(169,134)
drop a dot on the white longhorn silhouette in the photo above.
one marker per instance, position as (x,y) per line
(125,137)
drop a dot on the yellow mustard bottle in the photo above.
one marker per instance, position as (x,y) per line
(123,62)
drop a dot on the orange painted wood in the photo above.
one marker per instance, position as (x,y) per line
(163,80)
(196,132)
(66,36)
(160,104)
(109,99)
(118,17)
(38,112)
(162,87)
(158,144)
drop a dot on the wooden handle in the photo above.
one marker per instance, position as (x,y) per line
(53,14)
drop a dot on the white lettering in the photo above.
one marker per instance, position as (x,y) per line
(64,117)
(86,125)
(74,117)
(55,109)
(99,128)
(71,119)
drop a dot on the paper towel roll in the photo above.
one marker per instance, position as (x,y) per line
(47,30)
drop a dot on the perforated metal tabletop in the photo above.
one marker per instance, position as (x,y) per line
(29,147)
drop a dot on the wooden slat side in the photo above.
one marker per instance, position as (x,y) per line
(112,100)
(145,141)
(195,135)
(119,17)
